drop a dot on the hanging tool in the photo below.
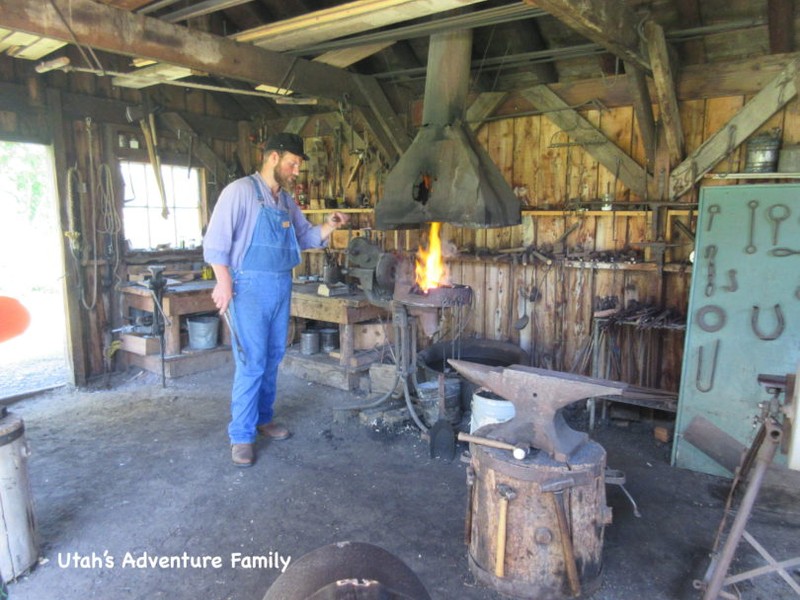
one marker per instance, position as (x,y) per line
(355,169)
(783,252)
(777,213)
(713,209)
(751,248)
(710,254)
(734,285)
(780,324)
(706,387)
(148,126)
(560,245)
(189,156)
(522,322)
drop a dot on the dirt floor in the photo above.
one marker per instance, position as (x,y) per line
(139,471)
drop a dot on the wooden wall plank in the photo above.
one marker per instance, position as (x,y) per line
(552,165)
(525,170)
(617,125)
(717,114)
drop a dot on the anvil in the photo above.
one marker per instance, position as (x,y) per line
(538,395)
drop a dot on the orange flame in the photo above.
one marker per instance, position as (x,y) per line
(430,268)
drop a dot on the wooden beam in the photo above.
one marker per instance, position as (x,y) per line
(483,107)
(200,150)
(609,23)
(390,124)
(595,142)
(694,51)
(695,82)
(129,34)
(665,90)
(643,107)
(343,20)
(296,125)
(345,57)
(780,14)
(335,120)
(752,115)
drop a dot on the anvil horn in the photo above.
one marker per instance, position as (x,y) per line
(537,395)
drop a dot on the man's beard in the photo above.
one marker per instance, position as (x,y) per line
(285,182)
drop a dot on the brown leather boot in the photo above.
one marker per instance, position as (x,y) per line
(274,431)
(242,455)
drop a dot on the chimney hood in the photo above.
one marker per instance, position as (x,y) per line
(445,175)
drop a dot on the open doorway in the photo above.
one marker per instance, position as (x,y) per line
(31,270)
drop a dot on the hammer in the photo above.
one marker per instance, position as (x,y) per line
(507,494)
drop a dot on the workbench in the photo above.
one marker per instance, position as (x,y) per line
(179,301)
(345,368)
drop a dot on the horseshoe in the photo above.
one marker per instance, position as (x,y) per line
(776,333)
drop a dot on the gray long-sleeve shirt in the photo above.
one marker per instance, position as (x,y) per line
(231,226)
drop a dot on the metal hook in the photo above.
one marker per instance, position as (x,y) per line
(698,378)
(779,327)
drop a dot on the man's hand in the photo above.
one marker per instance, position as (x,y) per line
(223,291)
(333,221)
(337,219)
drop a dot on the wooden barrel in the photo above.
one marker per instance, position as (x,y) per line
(517,544)
(18,549)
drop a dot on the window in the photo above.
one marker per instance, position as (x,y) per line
(145,227)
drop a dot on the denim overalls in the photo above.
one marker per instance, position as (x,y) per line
(262,289)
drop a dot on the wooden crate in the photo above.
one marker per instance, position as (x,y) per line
(139,344)
(368,336)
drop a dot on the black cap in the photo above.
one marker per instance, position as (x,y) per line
(290,142)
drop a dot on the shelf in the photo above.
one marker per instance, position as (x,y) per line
(320,211)
(585,213)
(752,175)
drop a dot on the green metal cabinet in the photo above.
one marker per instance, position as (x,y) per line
(744,311)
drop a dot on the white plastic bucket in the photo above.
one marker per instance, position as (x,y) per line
(489,408)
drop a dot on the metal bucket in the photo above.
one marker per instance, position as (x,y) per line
(203,332)
(762,153)
(428,396)
(309,342)
(18,550)
(329,339)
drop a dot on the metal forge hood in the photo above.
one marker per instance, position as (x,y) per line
(445,175)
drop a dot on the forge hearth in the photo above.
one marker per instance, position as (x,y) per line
(435,298)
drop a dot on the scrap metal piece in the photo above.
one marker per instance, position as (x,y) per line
(537,396)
